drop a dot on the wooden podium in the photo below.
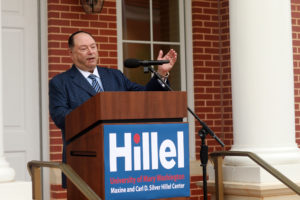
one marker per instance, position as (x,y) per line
(84,128)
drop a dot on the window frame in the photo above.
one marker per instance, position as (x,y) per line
(186,56)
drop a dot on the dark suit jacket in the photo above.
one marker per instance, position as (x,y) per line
(70,89)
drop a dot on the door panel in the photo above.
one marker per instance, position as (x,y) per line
(20,84)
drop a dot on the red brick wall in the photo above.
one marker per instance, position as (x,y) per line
(295,7)
(227,129)
(196,193)
(212,74)
(211,57)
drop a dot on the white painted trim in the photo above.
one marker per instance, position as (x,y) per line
(182,46)
(151,42)
(43,45)
(190,74)
(16,190)
(151,32)
(119,35)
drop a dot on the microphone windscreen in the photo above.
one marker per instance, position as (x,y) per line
(131,63)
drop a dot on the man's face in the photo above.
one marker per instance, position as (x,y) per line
(84,53)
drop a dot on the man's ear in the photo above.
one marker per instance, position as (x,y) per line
(70,52)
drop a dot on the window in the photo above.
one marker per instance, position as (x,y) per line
(147,27)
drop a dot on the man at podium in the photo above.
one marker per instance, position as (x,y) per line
(70,89)
(85,79)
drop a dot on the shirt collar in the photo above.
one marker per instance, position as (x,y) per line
(86,74)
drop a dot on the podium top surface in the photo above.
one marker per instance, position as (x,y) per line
(126,106)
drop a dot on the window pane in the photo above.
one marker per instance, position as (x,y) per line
(141,52)
(165,20)
(174,78)
(136,20)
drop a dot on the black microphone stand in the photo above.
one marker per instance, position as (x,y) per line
(202,133)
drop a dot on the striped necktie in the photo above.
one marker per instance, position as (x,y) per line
(95,83)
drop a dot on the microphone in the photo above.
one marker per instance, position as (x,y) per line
(133,63)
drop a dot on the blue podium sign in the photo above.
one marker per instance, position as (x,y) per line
(146,161)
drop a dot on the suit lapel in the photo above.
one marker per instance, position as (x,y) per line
(105,79)
(79,80)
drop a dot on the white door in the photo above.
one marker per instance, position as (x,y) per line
(20,84)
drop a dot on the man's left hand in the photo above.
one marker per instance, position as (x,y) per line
(165,68)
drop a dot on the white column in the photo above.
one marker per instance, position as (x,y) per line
(6,173)
(262,90)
